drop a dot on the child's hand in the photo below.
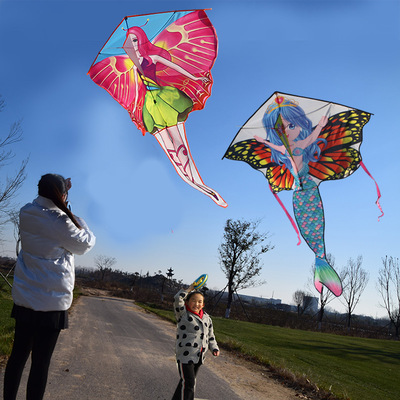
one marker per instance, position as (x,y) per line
(190,288)
(215,353)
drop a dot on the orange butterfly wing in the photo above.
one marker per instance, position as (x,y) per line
(258,156)
(340,155)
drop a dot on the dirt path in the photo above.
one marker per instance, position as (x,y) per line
(115,349)
(247,379)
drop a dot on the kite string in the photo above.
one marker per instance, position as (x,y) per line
(377,189)
(287,214)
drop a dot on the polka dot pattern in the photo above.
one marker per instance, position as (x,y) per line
(193,333)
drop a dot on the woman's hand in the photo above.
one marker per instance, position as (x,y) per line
(203,79)
(68,183)
(259,139)
(323,121)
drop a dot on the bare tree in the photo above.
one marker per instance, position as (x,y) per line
(239,256)
(298,297)
(14,219)
(104,264)
(389,289)
(10,185)
(354,280)
(303,301)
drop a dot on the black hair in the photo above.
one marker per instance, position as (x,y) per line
(54,187)
(193,293)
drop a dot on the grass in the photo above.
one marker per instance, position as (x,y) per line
(6,323)
(348,367)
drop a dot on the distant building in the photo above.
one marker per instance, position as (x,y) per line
(259,301)
(310,304)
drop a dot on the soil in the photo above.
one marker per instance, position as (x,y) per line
(249,379)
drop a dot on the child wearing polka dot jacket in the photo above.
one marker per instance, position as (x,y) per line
(195,335)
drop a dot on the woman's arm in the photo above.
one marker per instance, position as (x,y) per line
(280,148)
(75,240)
(177,68)
(314,135)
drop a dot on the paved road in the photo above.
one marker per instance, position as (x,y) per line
(114,350)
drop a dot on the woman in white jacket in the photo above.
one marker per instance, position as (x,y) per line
(43,282)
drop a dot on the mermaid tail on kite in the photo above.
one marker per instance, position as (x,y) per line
(159,75)
(297,142)
(309,214)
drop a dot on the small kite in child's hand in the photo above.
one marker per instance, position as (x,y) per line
(200,281)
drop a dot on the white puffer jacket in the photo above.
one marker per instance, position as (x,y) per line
(44,275)
(194,335)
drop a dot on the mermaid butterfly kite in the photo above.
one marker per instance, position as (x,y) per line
(297,143)
(157,66)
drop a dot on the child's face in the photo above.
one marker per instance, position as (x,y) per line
(196,302)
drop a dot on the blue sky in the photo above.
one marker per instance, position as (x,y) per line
(142,213)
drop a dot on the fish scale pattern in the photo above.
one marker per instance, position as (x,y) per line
(309,214)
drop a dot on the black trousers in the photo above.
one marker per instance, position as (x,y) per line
(40,341)
(187,383)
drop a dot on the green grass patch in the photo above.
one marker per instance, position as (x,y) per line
(6,322)
(348,367)
(165,314)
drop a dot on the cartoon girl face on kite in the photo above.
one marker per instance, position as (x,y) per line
(159,85)
(291,137)
(133,40)
(297,154)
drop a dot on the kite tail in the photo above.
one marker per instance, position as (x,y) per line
(377,189)
(309,214)
(287,214)
(174,143)
(327,276)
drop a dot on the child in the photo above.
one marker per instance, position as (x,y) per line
(195,335)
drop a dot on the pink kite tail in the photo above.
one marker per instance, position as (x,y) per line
(377,189)
(287,214)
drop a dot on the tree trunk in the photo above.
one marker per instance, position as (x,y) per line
(320,317)
(348,320)
(228,306)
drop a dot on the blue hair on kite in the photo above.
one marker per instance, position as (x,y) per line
(295,115)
